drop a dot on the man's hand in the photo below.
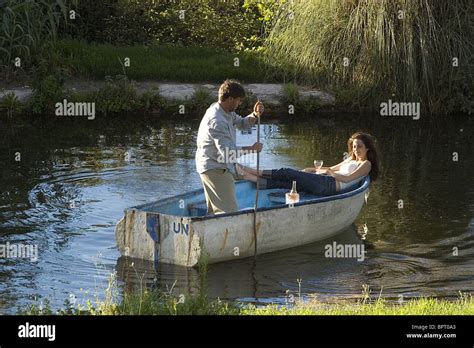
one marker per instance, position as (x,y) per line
(256,147)
(258,109)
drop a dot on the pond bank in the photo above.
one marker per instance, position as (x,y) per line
(146,302)
(277,97)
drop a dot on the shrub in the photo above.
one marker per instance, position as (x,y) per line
(230,25)
(11,104)
(120,95)
(47,86)
(152,101)
(200,100)
(290,94)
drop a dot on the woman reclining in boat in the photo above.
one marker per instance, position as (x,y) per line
(326,181)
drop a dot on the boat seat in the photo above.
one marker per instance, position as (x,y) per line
(200,208)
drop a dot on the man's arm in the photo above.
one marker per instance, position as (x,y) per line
(222,139)
(256,147)
(244,123)
(249,121)
(224,143)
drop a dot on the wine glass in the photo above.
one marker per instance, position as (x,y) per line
(318,164)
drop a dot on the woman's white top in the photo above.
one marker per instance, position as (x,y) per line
(345,169)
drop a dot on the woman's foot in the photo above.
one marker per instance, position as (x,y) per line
(240,171)
(252,171)
(243,174)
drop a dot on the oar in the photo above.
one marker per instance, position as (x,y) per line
(256,192)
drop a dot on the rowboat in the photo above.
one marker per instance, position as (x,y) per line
(177,230)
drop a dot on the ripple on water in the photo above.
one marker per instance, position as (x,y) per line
(409,251)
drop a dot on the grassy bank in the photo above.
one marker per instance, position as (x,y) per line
(143,301)
(163,63)
(119,95)
(150,303)
(421,306)
(120,66)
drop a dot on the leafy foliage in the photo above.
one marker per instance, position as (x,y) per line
(117,95)
(231,25)
(47,84)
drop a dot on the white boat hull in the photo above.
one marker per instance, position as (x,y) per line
(183,240)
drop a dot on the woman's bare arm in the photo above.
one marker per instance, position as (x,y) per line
(334,167)
(309,170)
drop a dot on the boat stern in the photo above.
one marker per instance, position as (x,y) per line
(158,237)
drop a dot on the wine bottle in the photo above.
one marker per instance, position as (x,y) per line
(292,197)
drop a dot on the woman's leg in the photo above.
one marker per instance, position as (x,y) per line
(241,169)
(263,183)
(321,185)
(247,176)
(279,177)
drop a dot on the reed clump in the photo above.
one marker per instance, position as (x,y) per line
(405,50)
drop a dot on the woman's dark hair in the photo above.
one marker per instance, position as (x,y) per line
(372,155)
(231,88)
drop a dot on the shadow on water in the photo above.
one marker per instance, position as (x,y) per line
(75,178)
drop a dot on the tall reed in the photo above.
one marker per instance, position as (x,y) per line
(29,28)
(405,49)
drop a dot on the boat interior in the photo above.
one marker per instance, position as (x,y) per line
(193,204)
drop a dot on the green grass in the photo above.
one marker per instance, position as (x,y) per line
(164,63)
(290,94)
(422,306)
(159,303)
(302,105)
(143,301)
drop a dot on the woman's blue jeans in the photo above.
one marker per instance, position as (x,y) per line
(316,184)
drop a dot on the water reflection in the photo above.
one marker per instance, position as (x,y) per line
(265,278)
(75,178)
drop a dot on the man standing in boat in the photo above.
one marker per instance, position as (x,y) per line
(217,149)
